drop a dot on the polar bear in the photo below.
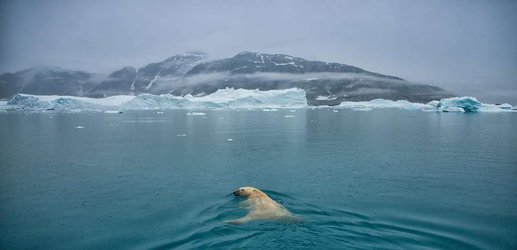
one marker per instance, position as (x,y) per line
(261,207)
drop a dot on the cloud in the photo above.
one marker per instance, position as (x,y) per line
(415,40)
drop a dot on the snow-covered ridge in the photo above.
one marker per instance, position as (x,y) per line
(232,98)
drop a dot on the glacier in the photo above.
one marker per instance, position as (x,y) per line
(230,98)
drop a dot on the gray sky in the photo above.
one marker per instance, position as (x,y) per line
(469,47)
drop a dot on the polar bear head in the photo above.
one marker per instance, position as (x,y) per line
(245,191)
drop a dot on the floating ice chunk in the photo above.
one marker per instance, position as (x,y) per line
(335,110)
(113,111)
(505,106)
(159,112)
(270,110)
(196,113)
(79,127)
(181,135)
(326,98)
(459,104)
(495,108)
(229,139)
(288,116)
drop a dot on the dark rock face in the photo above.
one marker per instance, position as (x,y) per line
(249,62)
(324,83)
(118,83)
(149,77)
(44,81)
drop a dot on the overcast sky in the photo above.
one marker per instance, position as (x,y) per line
(469,47)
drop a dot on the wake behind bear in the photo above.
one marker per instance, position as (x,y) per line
(261,207)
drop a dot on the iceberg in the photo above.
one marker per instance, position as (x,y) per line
(459,104)
(454,104)
(113,111)
(469,104)
(230,98)
(222,98)
(245,98)
(62,103)
(381,103)
(505,106)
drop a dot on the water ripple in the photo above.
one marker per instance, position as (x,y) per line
(321,226)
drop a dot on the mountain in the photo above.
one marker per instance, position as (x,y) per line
(44,81)
(117,83)
(191,73)
(173,68)
(250,62)
(325,83)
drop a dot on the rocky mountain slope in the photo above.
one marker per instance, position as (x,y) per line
(191,73)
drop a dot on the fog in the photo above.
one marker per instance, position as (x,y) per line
(268,76)
(468,47)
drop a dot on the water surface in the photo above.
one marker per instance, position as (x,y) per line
(385,179)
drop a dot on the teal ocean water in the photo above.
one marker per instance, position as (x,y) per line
(384,179)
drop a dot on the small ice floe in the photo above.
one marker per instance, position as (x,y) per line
(196,113)
(362,109)
(79,127)
(181,135)
(505,106)
(335,110)
(229,139)
(292,110)
(326,98)
(159,112)
(270,110)
(113,111)
(288,116)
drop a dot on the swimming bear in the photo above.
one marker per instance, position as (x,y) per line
(261,207)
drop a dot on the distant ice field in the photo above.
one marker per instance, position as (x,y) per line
(230,98)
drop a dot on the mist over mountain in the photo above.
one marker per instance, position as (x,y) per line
(192,73)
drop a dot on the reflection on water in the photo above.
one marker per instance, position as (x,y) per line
(382,179)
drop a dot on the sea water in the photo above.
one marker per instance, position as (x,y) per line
(387,179)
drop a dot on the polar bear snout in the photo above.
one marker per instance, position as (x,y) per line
(243,191)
